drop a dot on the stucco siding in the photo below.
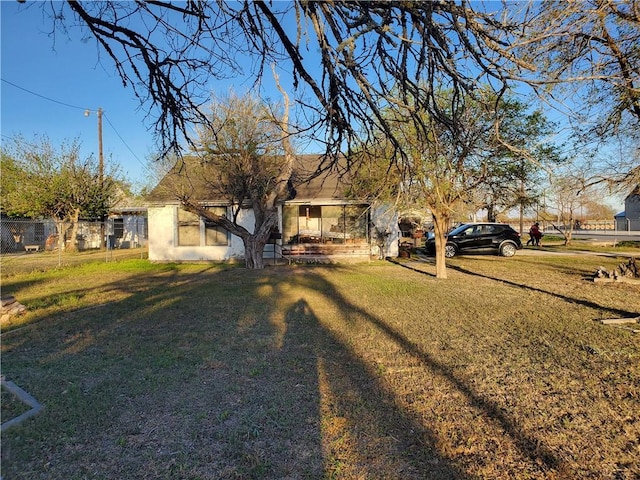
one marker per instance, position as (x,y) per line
(163,243)
(385,219)
(163,238)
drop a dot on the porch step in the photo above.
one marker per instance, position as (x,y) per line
(327,250)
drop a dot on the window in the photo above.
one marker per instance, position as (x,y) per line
(194,231)
(213,234)
(188,229)
(333,224)
(309,220)
(118,227)
(356,221)
(289,223)
(325,224)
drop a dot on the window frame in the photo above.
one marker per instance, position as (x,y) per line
(202,226)
(207,227)
(336,222)
(118,227)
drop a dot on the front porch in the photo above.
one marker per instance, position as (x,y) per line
(327,252)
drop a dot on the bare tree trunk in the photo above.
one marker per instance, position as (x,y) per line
(254,252)
(440,227)
(73,246)
(62,227)
(521,218)
(255,184)
(521,205)
(491,212)
(568,228)
(254,243)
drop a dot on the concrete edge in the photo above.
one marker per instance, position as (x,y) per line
(23,397)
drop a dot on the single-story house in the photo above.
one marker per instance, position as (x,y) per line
(317,223)
(127,227)
(629,220)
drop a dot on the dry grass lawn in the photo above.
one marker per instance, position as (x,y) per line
(326,372)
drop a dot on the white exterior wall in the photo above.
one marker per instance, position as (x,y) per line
(385,219)
(163,239)
(134,230)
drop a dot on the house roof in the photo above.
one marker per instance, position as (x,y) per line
(188,179)
(127,210)
(634,193)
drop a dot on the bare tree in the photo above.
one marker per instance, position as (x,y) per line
(494,152)
(595,210)
(591,49)
(588,63)
(245,158)
(348,60)
(570,193)
(440,167)
(446,166)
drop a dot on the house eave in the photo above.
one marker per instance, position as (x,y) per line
(323,201)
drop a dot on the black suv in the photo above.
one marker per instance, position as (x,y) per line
(480,238)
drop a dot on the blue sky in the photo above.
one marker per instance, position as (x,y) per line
(49,81)
(67,71)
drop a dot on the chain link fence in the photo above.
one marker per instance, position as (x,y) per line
(28,245)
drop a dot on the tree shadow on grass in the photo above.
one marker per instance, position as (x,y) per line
(573,300)
(109,376)
(364,433)
(190,377)
(540,457)
(224,375)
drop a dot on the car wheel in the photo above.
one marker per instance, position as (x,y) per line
(508,249)
(450,250)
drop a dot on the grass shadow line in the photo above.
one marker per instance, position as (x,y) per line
(584,303)
(370,405)
(528,446)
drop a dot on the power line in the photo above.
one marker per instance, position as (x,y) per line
(123,142)
(42,96)
(79,108)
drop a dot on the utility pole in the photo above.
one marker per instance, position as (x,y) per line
(100,174)
(103,217)
(100,156)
